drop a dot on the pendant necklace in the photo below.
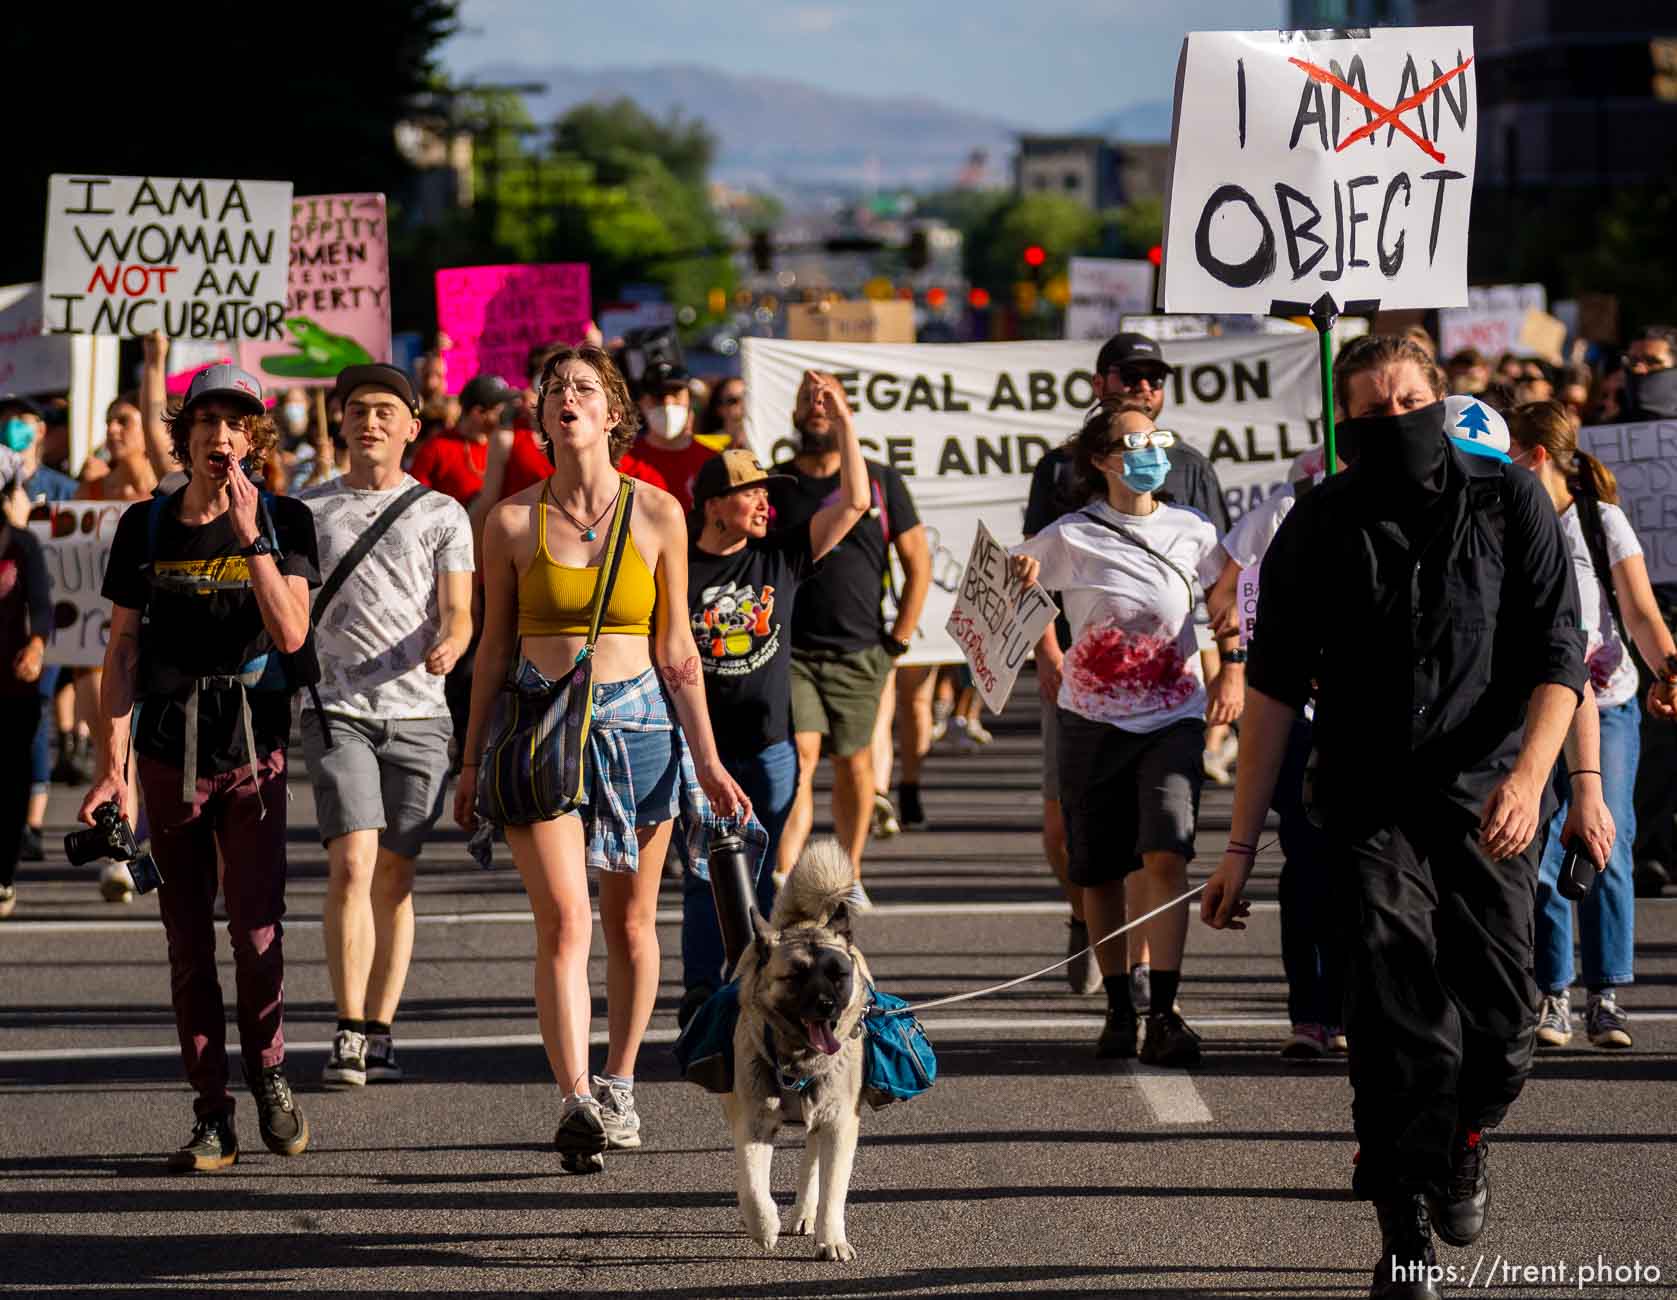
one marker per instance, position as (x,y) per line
(587,530)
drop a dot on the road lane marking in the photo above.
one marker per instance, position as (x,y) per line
(521,916)
(1170,1093)
(663,1034)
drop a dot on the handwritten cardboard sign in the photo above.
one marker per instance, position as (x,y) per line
(1103,290)
(494,315)
(337,308)
(198,259)
(1643,457)
(996,619)
(76,546)
(1311,166)
(29,363)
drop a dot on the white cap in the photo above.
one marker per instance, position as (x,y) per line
(1475,427)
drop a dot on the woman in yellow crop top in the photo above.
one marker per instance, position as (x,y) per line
(541,548)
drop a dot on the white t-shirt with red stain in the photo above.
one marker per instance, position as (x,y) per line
(1134,660)
(1612,668)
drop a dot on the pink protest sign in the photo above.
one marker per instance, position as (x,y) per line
(337,310)
(494,315)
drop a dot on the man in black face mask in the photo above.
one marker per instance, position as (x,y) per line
(1425,598)
(842,649)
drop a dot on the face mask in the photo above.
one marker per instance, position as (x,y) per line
(296,416)
(1145,470)
(20,433)
(667,421)
(1402,451)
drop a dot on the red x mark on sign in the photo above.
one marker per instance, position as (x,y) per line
(1384,116)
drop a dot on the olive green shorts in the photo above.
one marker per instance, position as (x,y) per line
(835,693)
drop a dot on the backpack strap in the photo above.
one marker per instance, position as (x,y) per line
(1595,541)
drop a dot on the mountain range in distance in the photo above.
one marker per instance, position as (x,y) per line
(776,133)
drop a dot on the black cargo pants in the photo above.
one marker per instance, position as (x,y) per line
(1441,1007)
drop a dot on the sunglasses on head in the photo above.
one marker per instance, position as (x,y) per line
(1141,439)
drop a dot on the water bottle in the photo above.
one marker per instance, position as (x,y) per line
(731,888)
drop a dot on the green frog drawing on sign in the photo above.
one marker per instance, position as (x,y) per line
(320,353)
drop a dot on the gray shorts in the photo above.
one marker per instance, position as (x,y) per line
(388,776)
(1125,793)
(1050,750)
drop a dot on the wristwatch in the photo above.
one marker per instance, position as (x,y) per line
(1236,656)
(261,546)
(895,648)
(1669,672)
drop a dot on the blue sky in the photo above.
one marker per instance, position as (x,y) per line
(1046,64)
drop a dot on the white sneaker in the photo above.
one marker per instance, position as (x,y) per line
(115,884)
(618,1113)
(1554,1019)
(347,1065)
(885,823)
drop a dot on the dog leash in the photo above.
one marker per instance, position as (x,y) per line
(1049,970)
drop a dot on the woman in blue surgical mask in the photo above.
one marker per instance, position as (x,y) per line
(1130,569)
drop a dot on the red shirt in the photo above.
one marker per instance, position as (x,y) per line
(451,464)
(635,467)
(677,467)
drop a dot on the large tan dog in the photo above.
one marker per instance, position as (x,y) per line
(803,989)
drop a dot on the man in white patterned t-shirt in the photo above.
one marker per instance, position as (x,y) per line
(389,627)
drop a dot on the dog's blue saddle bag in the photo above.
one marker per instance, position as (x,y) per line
(897,1057)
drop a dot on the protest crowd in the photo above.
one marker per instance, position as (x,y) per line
(582,611)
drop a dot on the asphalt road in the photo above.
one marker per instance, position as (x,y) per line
(1030,1169)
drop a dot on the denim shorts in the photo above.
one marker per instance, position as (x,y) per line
(651,753)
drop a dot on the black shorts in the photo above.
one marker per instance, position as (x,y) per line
(1125,793)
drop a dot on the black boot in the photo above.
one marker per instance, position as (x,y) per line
(1458,1215)
(1408,1267)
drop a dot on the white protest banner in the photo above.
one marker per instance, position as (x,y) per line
(29,363)
(1314,166)
(93,387)
(996,619)
(76,545)
(1103,289)
(198,259)
(1643,457)
(965,423)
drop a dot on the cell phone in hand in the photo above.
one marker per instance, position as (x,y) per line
(252,466)
(1577,872)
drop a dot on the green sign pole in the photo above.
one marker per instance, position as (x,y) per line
(1324,323)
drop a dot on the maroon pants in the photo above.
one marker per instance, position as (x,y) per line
(225,814)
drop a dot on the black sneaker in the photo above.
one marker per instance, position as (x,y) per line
(1169,1041)
(691,1001)
(30,846)
(213,1145)
(1117,1040)
(1408,1267)
(381,1060)
(581,1137)
(346,1067)
(1459,1214)
(284,1130)
(910,814)
(1649,878)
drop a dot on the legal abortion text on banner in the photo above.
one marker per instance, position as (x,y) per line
(1643,457)
(197,259)
(494,315)
(996,619)
(76,545)
(1333,173)
(337,307)
(965,424)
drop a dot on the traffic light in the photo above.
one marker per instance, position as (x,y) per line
(762,250)
(1035,256)
(978,299)
(1156,254)
(919,251)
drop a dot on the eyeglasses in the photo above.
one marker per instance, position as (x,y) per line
(582,387)
(1160,438)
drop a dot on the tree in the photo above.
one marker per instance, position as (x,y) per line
(200,88)
(615,136)
(1061,227)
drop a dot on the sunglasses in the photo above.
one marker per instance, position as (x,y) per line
(1132,375)
(732,399)
(1160,438)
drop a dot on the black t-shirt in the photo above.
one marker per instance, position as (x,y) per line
(25,603)
(741,607)
(840,607)
(201,620)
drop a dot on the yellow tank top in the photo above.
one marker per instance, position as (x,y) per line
(555,599)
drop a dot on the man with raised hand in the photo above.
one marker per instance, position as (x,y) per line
(393,617)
